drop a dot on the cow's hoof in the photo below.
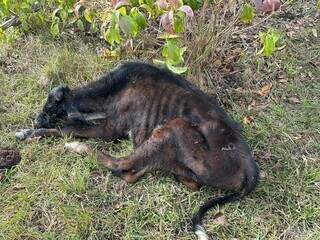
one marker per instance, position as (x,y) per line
(24,134)
(77,147)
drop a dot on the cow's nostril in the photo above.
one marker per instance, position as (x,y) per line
(228,147)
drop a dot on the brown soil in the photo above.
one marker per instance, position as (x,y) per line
(9,158)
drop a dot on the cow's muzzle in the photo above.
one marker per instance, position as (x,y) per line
(42,121)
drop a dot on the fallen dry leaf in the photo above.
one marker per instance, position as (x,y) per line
(248,119)
(297,136)
(266,155)
(277,167)
(220,219)
(294,100)
(236,51)
(263,175)
(32,140)
(265,90)
(217,63)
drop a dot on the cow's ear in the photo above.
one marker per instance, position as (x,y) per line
(58,93)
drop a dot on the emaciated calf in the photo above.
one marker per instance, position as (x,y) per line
(175,127)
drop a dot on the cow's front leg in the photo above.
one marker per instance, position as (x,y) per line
(28,134)
(76,131)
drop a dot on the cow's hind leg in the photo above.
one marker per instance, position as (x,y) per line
(155,153)
(121,167)
(160,152)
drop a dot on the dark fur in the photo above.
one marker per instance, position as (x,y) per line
(175,127)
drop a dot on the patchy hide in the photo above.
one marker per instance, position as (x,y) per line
(175,127)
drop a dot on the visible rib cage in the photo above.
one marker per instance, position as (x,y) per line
(175,127)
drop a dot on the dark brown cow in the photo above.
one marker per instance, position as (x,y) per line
(175,127)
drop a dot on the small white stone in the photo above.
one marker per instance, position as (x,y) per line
(77,147)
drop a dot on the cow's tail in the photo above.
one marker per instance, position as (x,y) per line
(197,218)
(249,185)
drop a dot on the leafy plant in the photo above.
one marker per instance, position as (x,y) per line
(122,23)
(247,13)
(129,18)
(269,40)
(172,53)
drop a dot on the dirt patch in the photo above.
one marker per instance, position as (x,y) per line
(9,158)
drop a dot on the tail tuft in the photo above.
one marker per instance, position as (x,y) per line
(201,233)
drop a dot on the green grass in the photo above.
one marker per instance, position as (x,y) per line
(54,194)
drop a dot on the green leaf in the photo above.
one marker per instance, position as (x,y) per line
(134,2)
(158,62)
(138,17)
(122,11)
(115,18)
(148,9)
(54,29)
(2,35)
(175,4)
(80,25)
(247,14)
(128,25)
(178,22)
(177,70)
(89,15)
(269,41)
(94,27)
(63,15)
(171,52)
(112,35)
(40,18)
(194,4)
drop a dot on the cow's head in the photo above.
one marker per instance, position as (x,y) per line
(54,108)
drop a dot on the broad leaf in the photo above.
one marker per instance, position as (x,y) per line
(80,25)
(128,25)
(171,52)
(89,15)
(194,4)
(269,41)
(178,22)
(54,29)
(112,35)
(138,17)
